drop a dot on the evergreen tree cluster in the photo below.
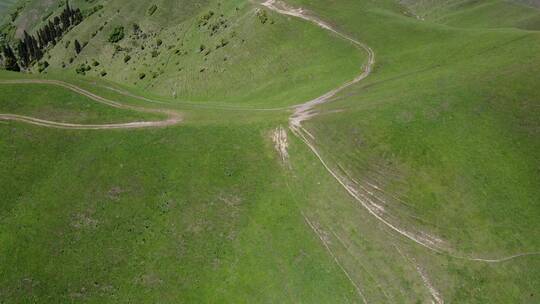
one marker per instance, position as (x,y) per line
(10,61)
(30,48)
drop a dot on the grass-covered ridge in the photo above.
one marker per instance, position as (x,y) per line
(54,103)
(441,137)
(230,53)
(483,14)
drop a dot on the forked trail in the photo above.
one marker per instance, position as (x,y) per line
(301,113)
(307,111)
(173,117)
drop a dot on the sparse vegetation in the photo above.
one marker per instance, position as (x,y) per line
(262,15)
(204,19)
(82,69)
(117,34)
(152,10)
(42,66)
(78,47)
(90,11)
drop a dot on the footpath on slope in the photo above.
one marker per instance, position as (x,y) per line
(306,111)
(173,116)
(301,113)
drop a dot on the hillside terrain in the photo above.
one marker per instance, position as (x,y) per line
(299,151)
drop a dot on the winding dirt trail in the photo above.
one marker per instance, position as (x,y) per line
(174,117)
(301,113)
(307,111)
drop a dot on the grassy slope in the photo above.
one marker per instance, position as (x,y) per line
(448,124)
(436,125)
(60,105)
(5,5)
(185,237)
(493,13)
(254,52)
(175,214)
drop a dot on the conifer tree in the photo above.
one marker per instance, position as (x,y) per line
(22,49)
(10,61)
(78,47)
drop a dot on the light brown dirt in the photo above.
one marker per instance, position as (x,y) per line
(174,117)
(307,111)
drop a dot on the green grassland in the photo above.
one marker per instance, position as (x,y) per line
(54,103)
(193,213)
(228,60)
(493,13)
(5,5)
(154,216)
(446,128)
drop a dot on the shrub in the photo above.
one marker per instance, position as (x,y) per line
(42,66)
(223,42)
(263,17)
(152,10)
(142,75)
(117,49)
(203,20)
(117,34)
(90,11)
(82,69)
(78,47)
(127,58)
(103,73)
(155,54)
(159,42)
(95,63)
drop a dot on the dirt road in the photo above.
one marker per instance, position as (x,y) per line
(174,117)
(307,110)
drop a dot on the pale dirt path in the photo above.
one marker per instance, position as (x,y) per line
(301,113)
(306,111)
(336,260)
(174,117)
(62,125)
(435,294)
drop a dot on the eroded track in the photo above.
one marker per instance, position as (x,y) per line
(173,116)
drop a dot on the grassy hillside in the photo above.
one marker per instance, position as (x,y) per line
(228,53)
(5,5)
(442,138)
(444,135)
(55,103)
(174,214)
(467,13)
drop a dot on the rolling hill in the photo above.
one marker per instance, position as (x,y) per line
(306,151)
